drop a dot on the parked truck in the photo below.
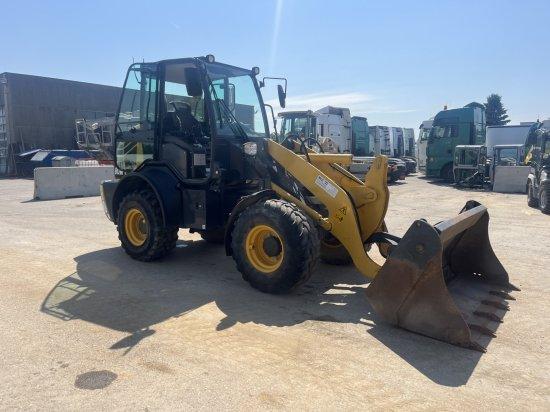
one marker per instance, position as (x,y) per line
(422,143)
(361,144)
(335,123)
(410,144)
(450,128)
(398,148)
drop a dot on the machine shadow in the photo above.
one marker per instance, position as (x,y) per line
(111,290)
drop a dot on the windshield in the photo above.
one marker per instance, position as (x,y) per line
(439,132)
(237,108)
(424,134)
(297,125)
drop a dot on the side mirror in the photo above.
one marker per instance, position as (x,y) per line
(193,82)
(282,96)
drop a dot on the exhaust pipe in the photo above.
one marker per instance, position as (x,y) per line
(445,281)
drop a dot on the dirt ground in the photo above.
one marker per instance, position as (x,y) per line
(83,326)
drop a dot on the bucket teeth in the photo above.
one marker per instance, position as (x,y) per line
(488,315)
(495,304)
(502,294)
(476,346)
(482,329)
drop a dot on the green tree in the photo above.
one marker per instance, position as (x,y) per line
(495,112)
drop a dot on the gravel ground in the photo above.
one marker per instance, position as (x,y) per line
(85,327)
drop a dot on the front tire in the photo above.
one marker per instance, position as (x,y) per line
(447,173)
(532,201)
(275,246)
(141,231)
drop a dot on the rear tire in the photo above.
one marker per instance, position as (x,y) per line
(141,231)
(544,200)
(275,246)
(532,201)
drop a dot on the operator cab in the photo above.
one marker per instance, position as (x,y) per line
(300,124)
(193,114)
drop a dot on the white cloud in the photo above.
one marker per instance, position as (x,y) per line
(315,101)
(360,104)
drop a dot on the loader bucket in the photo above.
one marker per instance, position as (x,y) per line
(445,281)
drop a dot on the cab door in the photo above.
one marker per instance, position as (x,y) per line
(136,122)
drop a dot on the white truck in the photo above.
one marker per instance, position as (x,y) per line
(334,123)
(386,140)
(422,143)
(410,146)
(376,134)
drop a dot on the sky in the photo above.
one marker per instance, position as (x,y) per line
(395,62)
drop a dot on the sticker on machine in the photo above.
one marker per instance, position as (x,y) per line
(326,186)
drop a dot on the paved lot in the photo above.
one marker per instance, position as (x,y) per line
(83,326)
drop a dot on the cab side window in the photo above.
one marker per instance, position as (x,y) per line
(136,122)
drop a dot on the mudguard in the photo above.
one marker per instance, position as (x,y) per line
(162,182)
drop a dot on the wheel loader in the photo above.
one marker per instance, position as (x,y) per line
(193,150)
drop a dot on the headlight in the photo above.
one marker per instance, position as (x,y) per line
(250,148)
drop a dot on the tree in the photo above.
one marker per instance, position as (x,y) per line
(495,112)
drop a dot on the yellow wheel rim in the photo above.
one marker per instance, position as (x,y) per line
(136,227)
(264,248)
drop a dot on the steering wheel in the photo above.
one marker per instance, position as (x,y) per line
(303,143)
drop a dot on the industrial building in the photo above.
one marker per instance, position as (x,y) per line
(40,112)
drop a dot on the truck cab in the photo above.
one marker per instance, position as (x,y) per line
(335,123)
(422,143)
(360,137)
(464,126)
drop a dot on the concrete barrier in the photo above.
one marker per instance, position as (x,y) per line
(510,179)
(62,182)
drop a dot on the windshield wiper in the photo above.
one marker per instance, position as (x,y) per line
(233,122)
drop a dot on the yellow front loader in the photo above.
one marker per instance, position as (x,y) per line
(192,151)
(442,281)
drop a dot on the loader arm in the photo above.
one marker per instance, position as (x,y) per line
(355,209)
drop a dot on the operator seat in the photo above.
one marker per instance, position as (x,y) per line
(187,126)
(182,141)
